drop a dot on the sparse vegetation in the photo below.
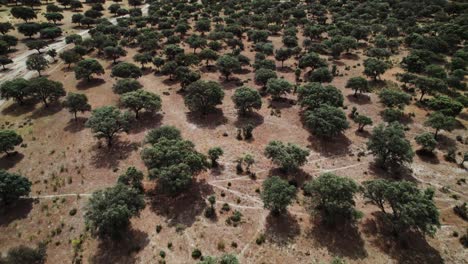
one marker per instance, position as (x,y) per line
(202,103)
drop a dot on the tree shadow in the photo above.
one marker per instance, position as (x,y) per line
(463,116)
(20,109)
(53,108)
(210,120)
(363,133)
(401,172)
(208,68)
(445,143)
(377,84)
(338,62)
(341,240)
(21,210)
(105,157)
(360,99)
(285,69)
(232,83)
(252,118)
(281,229)
(9,161)
(296,177)
(85,84)
(243,70)
(218,170)
(146,120)
(168,81)
(147,70)
(67,69)
(184,208)
(426,156)
(281,103)
(75,126)
(121,251)
(459,125)
(350,56)
(338,146)
(411,247)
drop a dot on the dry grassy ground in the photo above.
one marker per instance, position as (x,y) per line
(62,157)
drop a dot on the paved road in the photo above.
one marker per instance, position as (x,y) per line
(18,68)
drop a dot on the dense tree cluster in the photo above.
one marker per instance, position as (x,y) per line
(177,37)
(171,160)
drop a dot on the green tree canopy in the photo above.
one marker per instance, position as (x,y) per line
(427,141)
(126,70)
(311,60)
(444,105)
(126,85)
(140,99)
(108,121)
(326,121)
(29,29)
(214,154)
(288,156)
(246,99)
(17,89)
(334,196)
(282,55)
(389,145)
(321,75)
(263,75)
(227,64)
(203,96)
(37,62)
(439,121)
(313,95)
(208,55)
(429,85)
(173,162)
(277,87)
(363,121)
(114,52)
(12,187)
(9,139)
(358,84)
(277,194)
(108,211)
(86,68)
(76,103)
(46,90)
(69,57)
(23,13)
(394,98)
(410,208)
(132,178)
(374,68)
(26,255)
(168,132)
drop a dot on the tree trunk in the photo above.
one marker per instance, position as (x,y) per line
(422,95)
(75,116)
(435,134)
